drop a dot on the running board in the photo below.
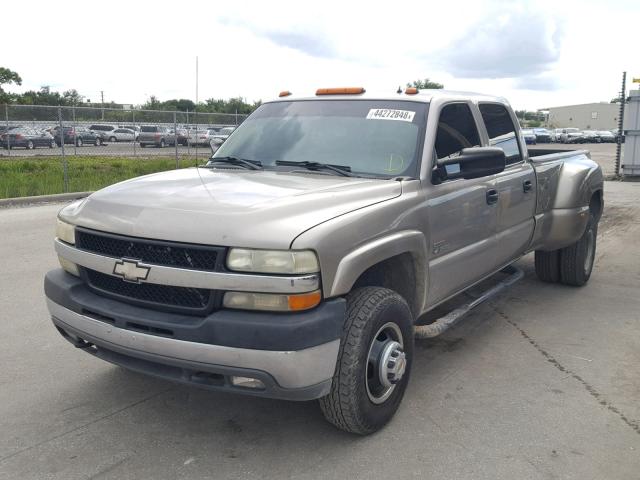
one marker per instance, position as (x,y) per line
(447,321)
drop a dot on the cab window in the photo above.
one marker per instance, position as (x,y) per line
(501,130)
(456,130)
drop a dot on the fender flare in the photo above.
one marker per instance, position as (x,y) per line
(356,262)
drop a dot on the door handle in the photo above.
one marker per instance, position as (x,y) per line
(527,186)
(492,196)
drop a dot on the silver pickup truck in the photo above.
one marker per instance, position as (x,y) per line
(301,260)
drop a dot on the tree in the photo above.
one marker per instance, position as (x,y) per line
(7,77)
(425,84)
(72,97)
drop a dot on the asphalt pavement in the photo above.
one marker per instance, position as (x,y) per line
(541,383)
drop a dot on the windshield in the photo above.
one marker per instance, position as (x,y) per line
(372,137)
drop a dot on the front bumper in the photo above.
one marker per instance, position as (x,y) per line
(293,355)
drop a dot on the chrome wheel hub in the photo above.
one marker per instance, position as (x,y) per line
(392,364)
(386,363)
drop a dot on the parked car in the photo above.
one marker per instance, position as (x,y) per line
(156,135)
(77,135)
(123,135)
(555,135)
(105,132)
(182,135)
(26,137)
(297,262)
(135,128)
(4,128)
(606,136)
(200,136)
(571,135)
(590,136)
(542,135)
(529,136)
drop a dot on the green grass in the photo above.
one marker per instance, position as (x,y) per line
(44,175)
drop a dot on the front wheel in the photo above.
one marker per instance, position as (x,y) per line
(79,142)
(374,361)
(162,143)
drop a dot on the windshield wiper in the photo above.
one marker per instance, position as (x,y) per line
(339,169)
(239,162)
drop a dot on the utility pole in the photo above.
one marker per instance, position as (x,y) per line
(196,83)
(102,102)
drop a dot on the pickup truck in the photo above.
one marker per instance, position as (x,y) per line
(301,260)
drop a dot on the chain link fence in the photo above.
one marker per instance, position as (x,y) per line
(88,138)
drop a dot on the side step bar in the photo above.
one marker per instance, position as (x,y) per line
(445,322)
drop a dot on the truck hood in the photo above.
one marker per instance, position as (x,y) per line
(260,209)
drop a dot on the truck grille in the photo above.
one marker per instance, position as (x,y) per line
(158,295)
(194,301)
(170,254)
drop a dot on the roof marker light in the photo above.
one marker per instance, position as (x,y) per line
(340,91)
(411,90)
(284,93)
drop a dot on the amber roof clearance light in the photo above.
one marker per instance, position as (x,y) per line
(340,91)
(411,91)
(284,93)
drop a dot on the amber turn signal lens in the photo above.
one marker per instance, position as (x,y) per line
(411,90)
(284,93)
(304,301)
(340,91)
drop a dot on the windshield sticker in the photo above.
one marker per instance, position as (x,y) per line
(390,114)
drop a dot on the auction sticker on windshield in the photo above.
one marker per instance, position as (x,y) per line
(390,114)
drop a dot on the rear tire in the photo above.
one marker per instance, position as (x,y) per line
(571,265)
(30,145)
(576,261)
(79,142)
(52,144)
(374,361)
(113,139)
(162,143)
(548,265)
(143,145)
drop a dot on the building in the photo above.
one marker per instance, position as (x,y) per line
(588,116)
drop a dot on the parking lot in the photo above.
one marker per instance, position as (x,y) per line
(542,382)
(119,149)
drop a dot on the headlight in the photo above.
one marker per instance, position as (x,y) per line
(65,232)
(272,302)
(273,261)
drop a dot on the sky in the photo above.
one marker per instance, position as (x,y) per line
(537,54)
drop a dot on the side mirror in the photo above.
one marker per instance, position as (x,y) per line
(474,162)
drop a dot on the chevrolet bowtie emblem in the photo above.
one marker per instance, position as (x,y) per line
(131,270)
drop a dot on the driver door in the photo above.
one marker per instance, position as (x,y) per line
(462,213)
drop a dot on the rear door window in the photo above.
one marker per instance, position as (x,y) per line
(502,132)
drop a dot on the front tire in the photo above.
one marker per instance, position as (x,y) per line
(374,361)
(79,142)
